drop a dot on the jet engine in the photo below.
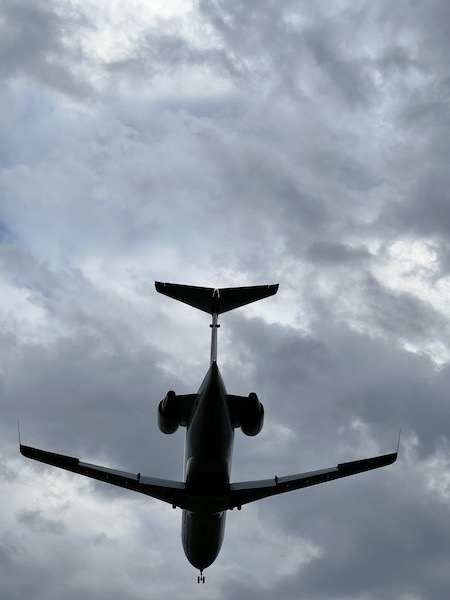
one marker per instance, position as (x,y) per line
(169,413)
(252,415)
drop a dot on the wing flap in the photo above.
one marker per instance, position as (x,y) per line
(250,491)
(172,492)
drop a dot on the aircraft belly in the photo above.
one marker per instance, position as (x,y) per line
(208,463)
(211,447)
(209,440)
(202,537)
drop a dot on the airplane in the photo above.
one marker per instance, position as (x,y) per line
(210,417)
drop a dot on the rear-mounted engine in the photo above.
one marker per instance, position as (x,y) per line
(252,415)
(169,413)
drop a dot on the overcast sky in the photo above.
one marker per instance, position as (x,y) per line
(224,143)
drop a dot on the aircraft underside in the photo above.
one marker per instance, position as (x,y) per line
(202,537)
(210,417)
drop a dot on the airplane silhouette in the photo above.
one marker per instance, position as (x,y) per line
(210,417)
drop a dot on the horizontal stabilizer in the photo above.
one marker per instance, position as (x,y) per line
(166,490)
(215,300)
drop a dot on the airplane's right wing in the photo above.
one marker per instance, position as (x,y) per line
(249,491)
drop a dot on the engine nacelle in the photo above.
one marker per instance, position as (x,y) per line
(169,413)
(252,415)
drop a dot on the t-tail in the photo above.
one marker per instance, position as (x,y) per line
(215,301)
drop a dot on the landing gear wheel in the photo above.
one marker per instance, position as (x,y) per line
(201,578)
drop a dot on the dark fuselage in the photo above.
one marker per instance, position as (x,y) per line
(208,453)
(210,417)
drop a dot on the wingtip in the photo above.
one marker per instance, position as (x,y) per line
(159,286)
(398,441)
(22,447)
(393,458)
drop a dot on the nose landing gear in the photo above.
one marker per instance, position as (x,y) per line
(201,578)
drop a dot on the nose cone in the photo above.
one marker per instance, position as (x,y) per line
(202,538)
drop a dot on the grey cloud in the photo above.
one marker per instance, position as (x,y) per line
(344,72)
(374,539)
(274,35)
(398,60)
(316,138)
(158,53)
(401,314)
(84,402)
(428,213)
(7,474)
(321,387)
(33,40)
(348,169)
(18,265)
(35,520)
(335,254)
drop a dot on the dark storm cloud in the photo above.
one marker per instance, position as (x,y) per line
(321,386)
(271,179)
(287,41)
(329,253)
(428,212)
(157,53)
(82,401)
(397,59)
(7,474)
(35,40)
(379,553)
(33,519)
(20,266)
(332,384)
(400,314)
(232,144)
(344,73)
(5,234)
(348,169)
(422,118)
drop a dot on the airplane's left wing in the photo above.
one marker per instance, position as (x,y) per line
(249,491)
(166,490)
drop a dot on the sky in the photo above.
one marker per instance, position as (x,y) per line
(221,144)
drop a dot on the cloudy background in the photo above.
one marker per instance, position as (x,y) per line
(226,143)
